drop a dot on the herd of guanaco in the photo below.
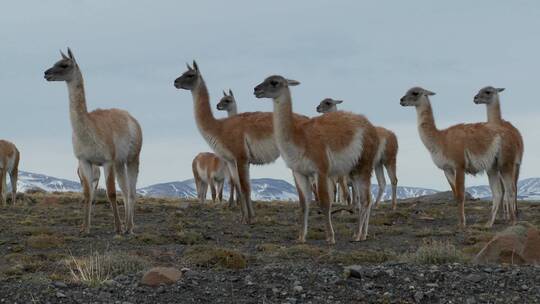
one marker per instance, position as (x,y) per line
(335,152)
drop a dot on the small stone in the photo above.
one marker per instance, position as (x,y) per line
(298,289)
(418,296)
(275,290)
(433,285)
(60,295)
(475,278)
(524,287)
(58,284)
(470,301)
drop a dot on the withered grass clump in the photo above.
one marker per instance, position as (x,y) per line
(95,269)
(209,256)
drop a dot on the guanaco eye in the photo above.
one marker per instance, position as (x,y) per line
(327,103)
(415,93)
(488,92)
(64,65)
(274,83)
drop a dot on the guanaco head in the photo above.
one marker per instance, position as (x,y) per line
(227,102)
(415,97)
(190,79)
(487,95)
(64,69)
(328,105)
(273,87)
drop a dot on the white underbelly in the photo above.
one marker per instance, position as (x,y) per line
(441,161)
(296,159)
(476,163)
(342,162)
(261,151)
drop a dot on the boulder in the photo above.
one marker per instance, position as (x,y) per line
(161,275)
(519,244)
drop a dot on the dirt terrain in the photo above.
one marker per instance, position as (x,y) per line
(413,255)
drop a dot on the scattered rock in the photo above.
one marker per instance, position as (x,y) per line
(59,284)
(298,289)
(161,275)
(354,271)
(475,278)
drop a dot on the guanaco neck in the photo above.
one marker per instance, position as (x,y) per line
(206,122)
(494,111)
(283,118)
(232,110)
(332,109)
(77,105)
(429,133)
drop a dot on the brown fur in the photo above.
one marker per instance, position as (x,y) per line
(476,138)
(231,133)
(9,152)
(329,133)
(110,138)
(211,164)
(388,160)
(514,141)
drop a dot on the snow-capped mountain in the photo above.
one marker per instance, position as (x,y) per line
(528,189)
(265,189)
(28,180)
(402,192)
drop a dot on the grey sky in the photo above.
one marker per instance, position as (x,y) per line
(366,53)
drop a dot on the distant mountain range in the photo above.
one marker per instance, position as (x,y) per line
(263,189)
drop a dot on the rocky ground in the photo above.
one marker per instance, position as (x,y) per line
(413,255)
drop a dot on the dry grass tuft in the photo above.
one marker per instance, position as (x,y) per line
(361,257)
(95,269)
(44,241)
(189,237)
(208,256)
(435,252)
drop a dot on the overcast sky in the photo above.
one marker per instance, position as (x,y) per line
(366,53)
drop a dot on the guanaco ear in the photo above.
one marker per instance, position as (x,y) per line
(70,54)
(189,67)
(231,93)
(291,82)
(337,101)
(500,89)
(224,93)
(195,66)
(63,55)
(428,92)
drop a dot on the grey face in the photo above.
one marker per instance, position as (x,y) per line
(328,105)
(487,95)
(414,96)
(190,79)
(273,86)
(226,102)
(62,70)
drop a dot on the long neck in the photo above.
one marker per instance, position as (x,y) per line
(283,118)
(232,110)
(77,103)
(494,112)
(203,112)
(332,109)
(426,126)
